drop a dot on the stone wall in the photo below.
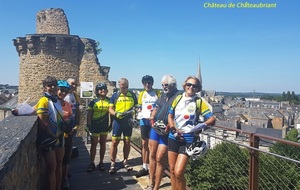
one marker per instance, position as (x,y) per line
(46,55)
(53,52)
(52,21)
(21,164)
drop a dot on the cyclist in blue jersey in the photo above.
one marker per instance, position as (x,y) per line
(158,140)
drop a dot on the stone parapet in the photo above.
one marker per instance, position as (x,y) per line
(21,164)
(66,46)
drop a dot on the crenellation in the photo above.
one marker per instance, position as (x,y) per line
(53,51)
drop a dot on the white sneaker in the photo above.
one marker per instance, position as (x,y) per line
(149,187)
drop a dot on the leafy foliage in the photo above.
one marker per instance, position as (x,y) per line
(286,96)
(281,172)
(224,167)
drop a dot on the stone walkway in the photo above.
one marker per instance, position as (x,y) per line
(82,180)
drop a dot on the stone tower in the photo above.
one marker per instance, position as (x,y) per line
(54,52)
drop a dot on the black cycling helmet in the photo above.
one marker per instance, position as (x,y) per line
(147,78)
(100,86)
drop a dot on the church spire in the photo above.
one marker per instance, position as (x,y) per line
(199,72)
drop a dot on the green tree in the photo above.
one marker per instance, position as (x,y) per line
(286,174)
(294,97)
(98,49)
(284,96)
(288,95)
(224,167)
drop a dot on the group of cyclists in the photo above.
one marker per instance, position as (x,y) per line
(166,120)
(169,125)
(58,119)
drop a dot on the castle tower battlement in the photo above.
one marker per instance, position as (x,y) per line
(66,46)
(53,52)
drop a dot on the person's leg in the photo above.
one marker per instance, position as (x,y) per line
(179,170)
(152,161)
(145,130)
(145,133)
(59,153)
(113,154)
(173,148)
(66,160)
(50,161)
(161,158)
(102,150)
(116,136)
(126,149)
(145,151)
(127,132)
(93,148)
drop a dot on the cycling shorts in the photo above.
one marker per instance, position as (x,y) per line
(100,126)
(161,139)
(121,126)
(178,146)
(145,128)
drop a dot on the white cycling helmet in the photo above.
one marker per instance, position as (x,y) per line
(196,149)
(133,123)
(160,127)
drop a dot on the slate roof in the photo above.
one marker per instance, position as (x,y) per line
(12,103)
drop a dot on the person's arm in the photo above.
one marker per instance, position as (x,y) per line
(151,118)
(89,117)
(171,122)
(77,116)
(111,110)
(210,121)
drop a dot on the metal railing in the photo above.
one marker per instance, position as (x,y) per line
(254,162)
(257,162)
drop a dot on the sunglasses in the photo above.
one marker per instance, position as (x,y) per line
(149,83)
(191,85)
(66,90)
(165,85)
(52,84)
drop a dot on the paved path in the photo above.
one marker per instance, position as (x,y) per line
(82,180)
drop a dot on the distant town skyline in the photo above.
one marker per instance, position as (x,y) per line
(240,49)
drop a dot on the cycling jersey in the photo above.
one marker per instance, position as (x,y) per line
(52,109)
(100,116)
(99,108)
(185,113)
(147,102)
(121,102)
(73,99)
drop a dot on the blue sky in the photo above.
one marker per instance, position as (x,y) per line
(240,50)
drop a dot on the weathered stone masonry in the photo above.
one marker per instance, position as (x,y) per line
(53,51)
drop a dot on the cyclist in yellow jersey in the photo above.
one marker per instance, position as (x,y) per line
(146,103)
(48,109)
(98,124)
(120,103)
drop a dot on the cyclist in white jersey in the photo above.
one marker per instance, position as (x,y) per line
(73,99)
(146,103)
